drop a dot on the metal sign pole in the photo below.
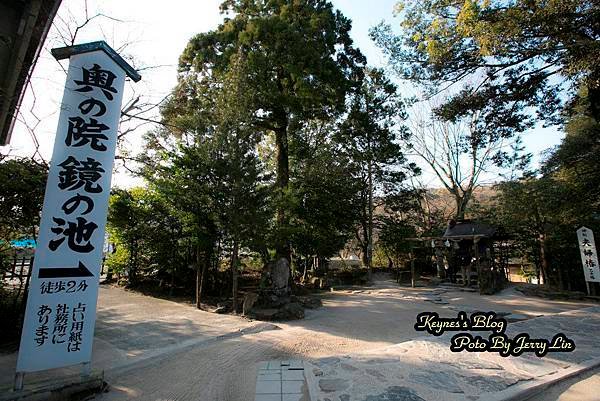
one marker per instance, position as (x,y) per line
(86,370)
(19,376)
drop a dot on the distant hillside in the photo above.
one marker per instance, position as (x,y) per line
(441,200)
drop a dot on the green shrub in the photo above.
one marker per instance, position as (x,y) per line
(118,262)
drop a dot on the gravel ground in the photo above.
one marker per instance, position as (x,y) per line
(349,322)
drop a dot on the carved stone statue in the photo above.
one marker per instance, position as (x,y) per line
(280,275)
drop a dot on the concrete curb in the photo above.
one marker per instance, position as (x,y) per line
(525,391)
(311,383)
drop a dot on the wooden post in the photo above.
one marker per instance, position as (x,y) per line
(14,266)
(28,277)
(477,267)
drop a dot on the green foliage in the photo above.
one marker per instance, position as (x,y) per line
(263,148)
(527,273)
(380,256)
(213,176)
(118,262)
(575,163)
(543,213)
(299,55)
(371,134)
(498,61)
(324,194)
(511,55)
(532,211)
(146,232)
(22,187)
(210,170)
(393,239)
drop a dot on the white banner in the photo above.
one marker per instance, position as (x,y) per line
(61,306)
(589,256)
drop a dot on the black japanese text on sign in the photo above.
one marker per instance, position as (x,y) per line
(589,256)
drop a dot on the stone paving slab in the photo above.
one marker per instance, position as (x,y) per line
(426,370)
(281,381)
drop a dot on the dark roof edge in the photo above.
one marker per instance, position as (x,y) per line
(61,53)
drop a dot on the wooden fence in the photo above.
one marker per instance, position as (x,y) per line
(18,273)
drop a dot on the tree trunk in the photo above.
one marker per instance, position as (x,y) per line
(363,244)
(364,226)
(460,212)
(234,275)
(370,230)
(561,284)
(132,262)
(462,202)
(174,263)
(198,286)
(282,180)
(199,273)
(594,96)
(172,286)
(412,269)
(305,269)
(543,258)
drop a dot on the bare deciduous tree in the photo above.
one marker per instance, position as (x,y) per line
(456,154)
(140,109)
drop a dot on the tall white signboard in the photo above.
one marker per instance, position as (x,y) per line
(61,306)
(589,256)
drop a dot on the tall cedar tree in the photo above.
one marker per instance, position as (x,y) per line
(300,62)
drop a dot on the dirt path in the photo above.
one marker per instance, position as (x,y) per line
(349,322)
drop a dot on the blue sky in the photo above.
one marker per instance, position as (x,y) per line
(156,33)
(365,15)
